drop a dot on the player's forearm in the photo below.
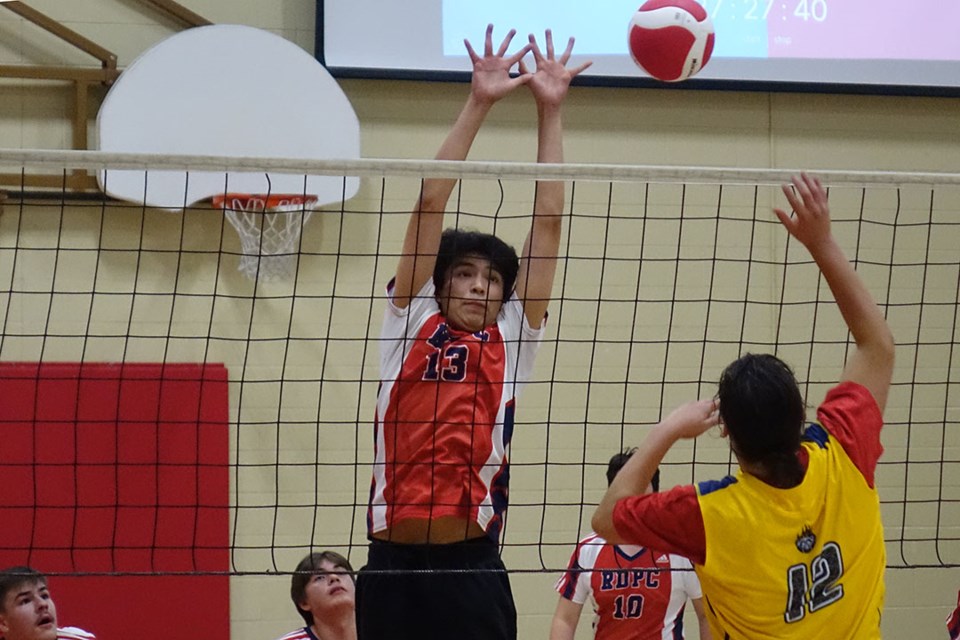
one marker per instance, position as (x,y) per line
(538,263)
(425,226)
(548,205)
(436,191)
(857,306)
(633,479)
(871,364)
(562,630)
(702,624)
(704,629)
(565,620)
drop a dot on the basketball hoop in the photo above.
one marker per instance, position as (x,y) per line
(269,227)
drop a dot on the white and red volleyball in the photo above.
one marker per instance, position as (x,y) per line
(671,39)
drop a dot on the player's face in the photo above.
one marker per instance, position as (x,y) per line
(329,589)
(472,294)
(28,613)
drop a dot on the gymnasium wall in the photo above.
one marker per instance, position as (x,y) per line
(409,120)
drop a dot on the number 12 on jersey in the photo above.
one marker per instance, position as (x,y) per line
(817,588)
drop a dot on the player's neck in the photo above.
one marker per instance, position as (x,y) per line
(341,627)
(780,474)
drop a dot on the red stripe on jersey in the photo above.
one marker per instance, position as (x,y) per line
(953,622)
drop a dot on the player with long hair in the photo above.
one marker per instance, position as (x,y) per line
(792,546)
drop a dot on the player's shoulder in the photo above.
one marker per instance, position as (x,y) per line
(74,633)
(299,634)
(593,540)
(677,562)
(589,550)
(707,487)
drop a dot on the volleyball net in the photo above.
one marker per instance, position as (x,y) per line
(167,412)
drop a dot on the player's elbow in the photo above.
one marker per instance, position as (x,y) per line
(544,239)
(549,222)
(548,209)
(889,347)
(602,523)
(882,350)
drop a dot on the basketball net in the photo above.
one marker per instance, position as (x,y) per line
(269,227)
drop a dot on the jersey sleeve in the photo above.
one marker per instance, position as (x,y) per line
(574,584)
(669,521)
(522,340)
(851,415)
(421,305)
(74,633)
(690,581)
(400,325)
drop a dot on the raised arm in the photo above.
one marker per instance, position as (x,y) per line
(538,261)
(686,421)
(491,81)
(871,364)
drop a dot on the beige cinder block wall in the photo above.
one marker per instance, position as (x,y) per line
(409,119)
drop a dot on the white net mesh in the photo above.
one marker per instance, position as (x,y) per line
(269,231)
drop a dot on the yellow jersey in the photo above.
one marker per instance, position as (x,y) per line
(799,563)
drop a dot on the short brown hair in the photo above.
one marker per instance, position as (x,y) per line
(14,577)
(620,459)
(309,567)
(457,243)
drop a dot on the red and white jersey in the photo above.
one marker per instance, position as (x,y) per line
(306,633)
(73,633)
(637,593)
(445,413)
(953,622)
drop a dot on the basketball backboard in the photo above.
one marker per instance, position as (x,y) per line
(226,90)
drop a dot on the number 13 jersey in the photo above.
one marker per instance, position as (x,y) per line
(445,414)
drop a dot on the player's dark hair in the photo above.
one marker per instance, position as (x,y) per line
(309,567)
(620,459)
(764,413)
(458,243)
(13,578)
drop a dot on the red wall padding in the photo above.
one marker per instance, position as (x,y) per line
(120,469)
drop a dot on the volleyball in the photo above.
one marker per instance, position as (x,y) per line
(671,39)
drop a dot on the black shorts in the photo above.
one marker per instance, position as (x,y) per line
(435,592)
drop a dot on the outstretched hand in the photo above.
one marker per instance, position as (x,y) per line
(552,78)
(808,198)
(491,72)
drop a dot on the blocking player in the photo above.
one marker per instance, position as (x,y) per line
(638,593)
(792,546)
(323,591)
(27,611)
(462,326)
